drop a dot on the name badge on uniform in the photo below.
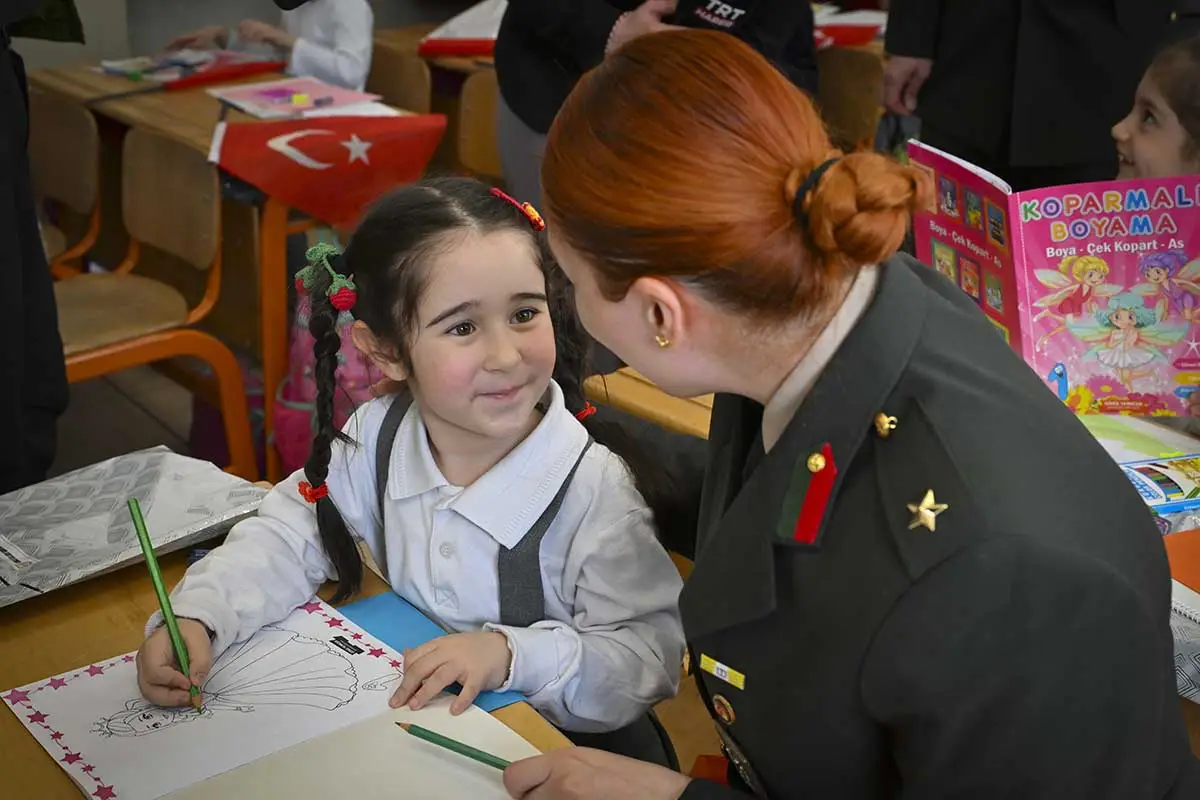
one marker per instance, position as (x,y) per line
(719,670)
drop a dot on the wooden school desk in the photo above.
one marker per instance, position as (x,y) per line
(190,116)
(629,391)
(96,619)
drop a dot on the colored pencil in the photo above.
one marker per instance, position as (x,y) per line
(164,599)
(454,746)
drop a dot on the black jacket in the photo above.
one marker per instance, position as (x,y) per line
(16,10)
(545,46)
(1021,648)
(1036,83)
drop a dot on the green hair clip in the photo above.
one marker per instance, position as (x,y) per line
(341,292)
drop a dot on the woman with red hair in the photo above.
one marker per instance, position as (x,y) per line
(916,575)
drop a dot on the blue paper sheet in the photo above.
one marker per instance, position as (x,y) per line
(391,619)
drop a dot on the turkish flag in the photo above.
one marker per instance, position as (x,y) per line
(330,168)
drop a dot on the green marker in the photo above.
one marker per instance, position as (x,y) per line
(454,746)
(164,600)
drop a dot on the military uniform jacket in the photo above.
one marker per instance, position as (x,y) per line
(1005,636)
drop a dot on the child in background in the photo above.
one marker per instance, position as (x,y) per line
(454,294)
(1160,137)
(325,39)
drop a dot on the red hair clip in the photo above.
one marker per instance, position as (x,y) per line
(531,213)
(312,494)
(587,411)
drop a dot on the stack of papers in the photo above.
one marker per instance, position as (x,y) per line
(290,98)
(77,526)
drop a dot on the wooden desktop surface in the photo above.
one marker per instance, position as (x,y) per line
(629,391)
(188,115)
(100,618)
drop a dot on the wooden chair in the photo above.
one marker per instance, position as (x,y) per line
(114,321)
(398,74)
(477,149)
(64,152)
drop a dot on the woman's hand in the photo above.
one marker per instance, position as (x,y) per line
(576,773)
(478,661)
(646,18)
(251,30)
(1193,403)
(158,673)
(209,38)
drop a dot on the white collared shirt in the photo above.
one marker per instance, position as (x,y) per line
(612,642)
(786,401)
(333,41)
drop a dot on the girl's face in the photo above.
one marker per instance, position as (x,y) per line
(1156,275)
(483,351)
(1150,141)
(1123,318)
(1093,277)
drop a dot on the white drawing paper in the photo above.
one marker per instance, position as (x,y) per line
(376,760)
(312,673)
(77,526)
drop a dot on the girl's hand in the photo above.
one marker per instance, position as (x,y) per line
(158,673)
(251,30)
(478,661)
(1193,403)
(204,39)
(579,773)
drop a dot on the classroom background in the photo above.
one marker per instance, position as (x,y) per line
(176,405)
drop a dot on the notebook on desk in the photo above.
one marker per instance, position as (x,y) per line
(1185,601)
(1183,551)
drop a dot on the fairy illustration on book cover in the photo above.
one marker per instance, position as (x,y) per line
(1077,284)
(1173,280)
(1127,336)
(275,667)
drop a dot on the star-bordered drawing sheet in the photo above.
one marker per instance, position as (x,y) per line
(310,674)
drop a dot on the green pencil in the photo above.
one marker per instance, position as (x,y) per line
(164,599)
(454,746)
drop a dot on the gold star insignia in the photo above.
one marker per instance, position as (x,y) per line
(926,512)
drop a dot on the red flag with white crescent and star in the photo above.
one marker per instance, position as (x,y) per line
(330,168)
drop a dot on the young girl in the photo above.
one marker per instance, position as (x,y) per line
(453,294)
(1160,137)
(325,39)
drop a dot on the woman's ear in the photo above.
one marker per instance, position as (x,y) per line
(382,358)
(663,309)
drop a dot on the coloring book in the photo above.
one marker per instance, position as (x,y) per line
(1161,463)
(77,526)
(1095,285)
(290,97)
(311,674)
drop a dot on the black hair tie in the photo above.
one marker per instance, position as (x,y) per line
(809,184)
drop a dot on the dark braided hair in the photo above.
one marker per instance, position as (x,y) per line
(388,257)
(327,342)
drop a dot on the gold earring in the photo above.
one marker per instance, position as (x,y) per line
(662,340)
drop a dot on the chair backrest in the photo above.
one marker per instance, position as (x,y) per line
(64,150)
(398,74)
(477,149)
(850,91)
(171,197)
